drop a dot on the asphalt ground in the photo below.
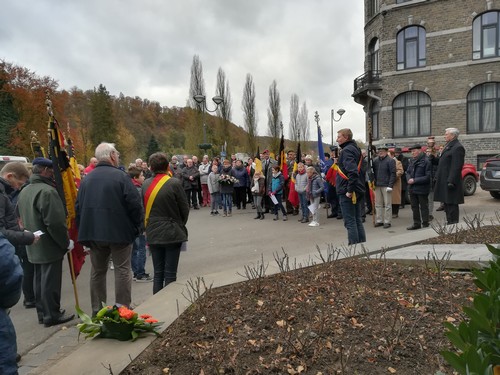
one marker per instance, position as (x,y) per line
(219,248)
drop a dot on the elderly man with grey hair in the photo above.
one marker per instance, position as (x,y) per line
(109,216)
(449,188)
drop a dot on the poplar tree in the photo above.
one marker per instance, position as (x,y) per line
(249,112)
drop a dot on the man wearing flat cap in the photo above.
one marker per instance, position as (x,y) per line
(41,208)
(418,176)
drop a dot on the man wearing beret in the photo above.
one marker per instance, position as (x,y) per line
(41,208)
(418,176)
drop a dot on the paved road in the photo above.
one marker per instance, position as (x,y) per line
(217,244)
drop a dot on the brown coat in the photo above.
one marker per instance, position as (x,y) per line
(396,189)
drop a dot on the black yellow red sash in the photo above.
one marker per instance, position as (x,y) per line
(341,173)
(152,192)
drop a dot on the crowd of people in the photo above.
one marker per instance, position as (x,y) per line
(119,211)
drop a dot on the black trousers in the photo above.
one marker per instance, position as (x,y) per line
(48,278)
(420,208)
(29,274)
(192,196)
(240,193)
(452,214)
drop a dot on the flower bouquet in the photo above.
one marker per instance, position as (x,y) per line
(226,179)
(116,322)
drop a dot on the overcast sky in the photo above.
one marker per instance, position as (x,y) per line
(145,48)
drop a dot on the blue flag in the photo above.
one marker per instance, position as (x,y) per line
(321,152)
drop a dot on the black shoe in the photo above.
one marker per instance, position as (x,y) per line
(196,207)
(266,211)
(378,225)
(62,319)
(18,357)
(295,212)
(275,217)
(29,305)
(425,225)
(451,222)
(363,219)
(258,216)
(387,226)
(340,217)
(431,217)
(304,220)
(331,216)
(261,216)
(369,212)
(415,226)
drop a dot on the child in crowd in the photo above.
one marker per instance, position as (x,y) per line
(300,188)
(314,189)
(276,189)
(227,187)
(214,189)
(258,188)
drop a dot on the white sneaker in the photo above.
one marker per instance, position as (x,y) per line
(313,224)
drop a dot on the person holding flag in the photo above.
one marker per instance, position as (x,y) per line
(350,184)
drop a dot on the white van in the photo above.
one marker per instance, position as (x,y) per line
(7,159)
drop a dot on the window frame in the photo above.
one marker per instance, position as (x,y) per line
(403,44)
(479,26)
(419,107)
(480,129)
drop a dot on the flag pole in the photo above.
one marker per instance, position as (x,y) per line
(54,156)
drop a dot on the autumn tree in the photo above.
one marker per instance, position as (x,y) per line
(153,146)
(304,124)
(249,112)
(224,109)
(294,117)
(274,116)
(8,114)
(80,119)
(104,128)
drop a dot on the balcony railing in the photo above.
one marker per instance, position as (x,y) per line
(369,78)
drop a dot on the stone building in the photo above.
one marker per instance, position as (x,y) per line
(431,65)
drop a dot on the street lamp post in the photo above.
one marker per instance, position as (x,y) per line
(202,100)
(340,112)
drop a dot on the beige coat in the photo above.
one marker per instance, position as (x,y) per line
(396,189)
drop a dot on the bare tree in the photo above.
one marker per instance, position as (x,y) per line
(304,123)
(294,117)
(249,112)
(197,86)
(274,116)
(224,109)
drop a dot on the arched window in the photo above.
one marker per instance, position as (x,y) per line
(411,48)
(485,38)
(373,49)
(483,108)
(374,115)
(411,114)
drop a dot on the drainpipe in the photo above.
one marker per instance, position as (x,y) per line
(373,96)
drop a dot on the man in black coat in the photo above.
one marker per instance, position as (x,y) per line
(109,216)
(419,183)
(449,188)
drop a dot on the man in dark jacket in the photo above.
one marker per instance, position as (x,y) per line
(12,177)
(190,176)
(108,216)
(449,188)
(418,176)
(11,276)
(41,208)
(384,168)
(350,185)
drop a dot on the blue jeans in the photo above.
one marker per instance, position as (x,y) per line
(8,345)
(215,201)
(227,201)
(303,205)
(165,263)
(352,218)
(139,255)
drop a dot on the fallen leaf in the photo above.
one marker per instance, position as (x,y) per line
(450,319)
(279,349)
(252,342)
(230,329)
(281,323)
(392,370)
(260,303)
(166,370)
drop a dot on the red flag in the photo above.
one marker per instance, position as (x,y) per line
(293,196)
(66,186)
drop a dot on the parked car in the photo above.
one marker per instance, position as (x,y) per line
(490,176)
(7,159)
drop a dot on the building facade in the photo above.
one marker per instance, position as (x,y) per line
(431,65)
